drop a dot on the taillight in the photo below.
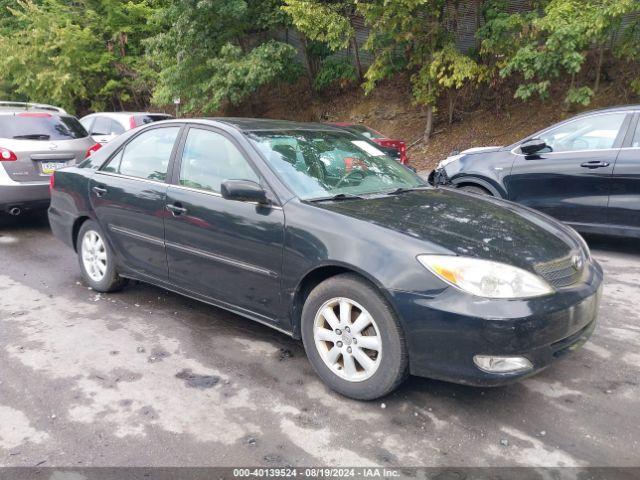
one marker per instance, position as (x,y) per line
(92,150)
(132,122)
(7,155)
(52,182)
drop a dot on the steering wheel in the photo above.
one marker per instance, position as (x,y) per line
(348,176)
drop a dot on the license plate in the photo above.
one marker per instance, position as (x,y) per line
(50,167)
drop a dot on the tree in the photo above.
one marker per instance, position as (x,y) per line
(81,54)
(331,23)
(205,53)
(558,43)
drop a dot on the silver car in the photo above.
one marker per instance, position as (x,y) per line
(105,126)
(35,140)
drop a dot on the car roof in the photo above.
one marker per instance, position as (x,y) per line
(617,108)
(16,107)
(256,124)
(128,114)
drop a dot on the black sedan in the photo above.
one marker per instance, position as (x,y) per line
(584,171)
(313,231)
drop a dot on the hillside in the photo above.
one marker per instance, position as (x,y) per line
(390,110)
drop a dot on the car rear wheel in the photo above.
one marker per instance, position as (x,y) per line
(475,189)
(353,339)
(97,265)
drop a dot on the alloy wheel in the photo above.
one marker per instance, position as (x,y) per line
(347,339)
(94,255)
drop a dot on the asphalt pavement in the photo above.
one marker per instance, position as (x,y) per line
(145,377)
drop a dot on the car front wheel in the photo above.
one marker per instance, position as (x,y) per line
(96,260)
(353,339)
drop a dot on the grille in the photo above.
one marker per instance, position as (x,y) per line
(562,272)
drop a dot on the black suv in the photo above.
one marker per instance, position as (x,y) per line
(584,171)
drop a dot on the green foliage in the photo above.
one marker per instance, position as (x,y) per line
(326,22)
(73,53)
(205,55)
(335,71)
(557,44)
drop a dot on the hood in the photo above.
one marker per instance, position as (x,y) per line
(471,151)
(469,225)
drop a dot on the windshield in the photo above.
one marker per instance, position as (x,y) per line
(319,164)
(364,131)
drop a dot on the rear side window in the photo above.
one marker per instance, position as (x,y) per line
(146,156)
(40,126)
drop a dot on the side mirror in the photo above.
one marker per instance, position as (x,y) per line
(243,191)
(533,146)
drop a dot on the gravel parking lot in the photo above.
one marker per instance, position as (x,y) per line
(146,377)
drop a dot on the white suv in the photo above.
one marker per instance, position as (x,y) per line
(105,126)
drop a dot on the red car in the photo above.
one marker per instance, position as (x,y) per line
(395,148)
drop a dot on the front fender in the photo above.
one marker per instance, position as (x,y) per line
(491,185)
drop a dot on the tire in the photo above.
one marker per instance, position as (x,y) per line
(475,189)
(387,366)
(108,280)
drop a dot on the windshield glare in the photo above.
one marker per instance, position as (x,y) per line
(318,164)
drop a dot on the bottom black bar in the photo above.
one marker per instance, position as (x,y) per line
(211,473)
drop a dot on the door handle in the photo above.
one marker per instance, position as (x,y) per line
(99,191)
(594,164)
(176,209)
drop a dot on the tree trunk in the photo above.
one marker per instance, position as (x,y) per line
(596,85)
(356,55)
(429,127)
(452,105)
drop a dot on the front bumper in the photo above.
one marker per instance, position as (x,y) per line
(438,177)
(445,331)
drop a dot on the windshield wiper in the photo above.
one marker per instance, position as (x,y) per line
(34,136)
(337,197)
(400,190)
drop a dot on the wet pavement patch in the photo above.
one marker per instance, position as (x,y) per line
(284,353)
(194,380)
(158,355)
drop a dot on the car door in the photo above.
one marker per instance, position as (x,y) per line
(226,250)
(570,178)
(624,199)
(128,197)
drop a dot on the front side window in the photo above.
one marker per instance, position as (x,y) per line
(596,132)
(317,164)
(209,159)
(146,156)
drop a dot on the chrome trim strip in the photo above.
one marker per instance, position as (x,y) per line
(199,190)
(216,194)
(221,259)
(141,236)
(119,175)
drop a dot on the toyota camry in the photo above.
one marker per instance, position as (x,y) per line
(313,231)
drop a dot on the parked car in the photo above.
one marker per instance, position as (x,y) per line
(584,171)
(379,274)
(35,140)
(393,147)
(105,126)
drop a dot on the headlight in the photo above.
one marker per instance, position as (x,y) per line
(447,161)
(585,247)
(485,278)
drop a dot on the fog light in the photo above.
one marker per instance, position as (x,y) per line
(493,364)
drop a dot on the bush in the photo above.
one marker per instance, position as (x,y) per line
(335,72)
